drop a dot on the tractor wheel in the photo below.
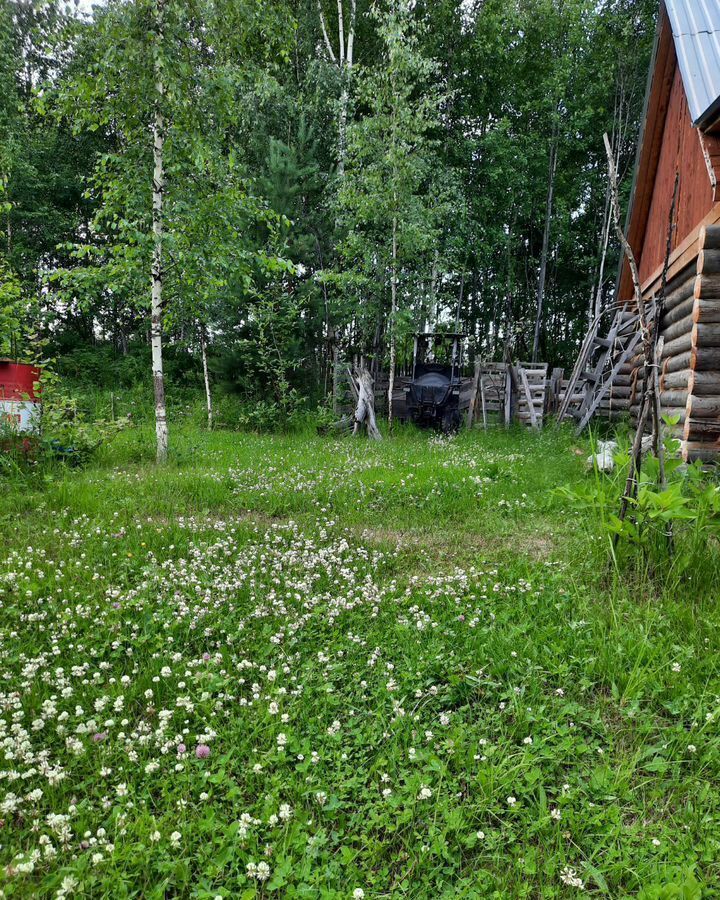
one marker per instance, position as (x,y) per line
(450,421)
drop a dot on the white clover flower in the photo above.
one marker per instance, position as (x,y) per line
(570,877)
(511,801)
(425,793)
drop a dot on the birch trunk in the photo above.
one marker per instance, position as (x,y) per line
(393,310)
(206,377)
(545,244)
(161,425)
(343,60)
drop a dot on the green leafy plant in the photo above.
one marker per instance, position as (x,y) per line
(66,432)
(668,529)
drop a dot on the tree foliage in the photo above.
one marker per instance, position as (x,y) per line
(451,115)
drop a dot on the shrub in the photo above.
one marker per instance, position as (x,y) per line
(667,531)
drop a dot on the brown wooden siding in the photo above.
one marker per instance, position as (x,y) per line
(680,151)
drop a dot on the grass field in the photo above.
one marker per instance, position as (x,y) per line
(294,667)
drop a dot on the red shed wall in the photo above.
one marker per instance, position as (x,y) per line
(680,150)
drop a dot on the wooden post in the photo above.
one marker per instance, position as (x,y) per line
(473,394)
(482,400)
(528,397)
(508,397)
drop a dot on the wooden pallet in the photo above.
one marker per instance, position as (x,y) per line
(531,383)
(490,394)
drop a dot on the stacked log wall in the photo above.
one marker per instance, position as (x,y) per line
(689,355)
(701,423)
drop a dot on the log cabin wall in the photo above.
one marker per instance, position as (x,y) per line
(690,326)
(680,151)
(701,425)
(690,356)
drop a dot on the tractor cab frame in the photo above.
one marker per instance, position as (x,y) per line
(433,396)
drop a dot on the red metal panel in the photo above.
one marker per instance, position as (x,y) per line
(680,151)
(18,381)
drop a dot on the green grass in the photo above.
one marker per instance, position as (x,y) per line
(391,639)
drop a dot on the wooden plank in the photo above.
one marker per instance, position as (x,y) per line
(482,400)
(526,388)
(508,397)
(473,394)
(658,100)
(685,253)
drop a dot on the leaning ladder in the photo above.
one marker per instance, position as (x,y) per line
(611,353)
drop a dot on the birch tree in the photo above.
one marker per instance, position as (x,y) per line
(386,199)
(172,200)
(341,57)
(156,271)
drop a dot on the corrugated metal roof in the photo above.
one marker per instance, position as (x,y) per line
(696,31)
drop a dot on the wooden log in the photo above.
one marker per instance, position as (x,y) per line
(705,358)
(703,407)
(706,286)
(677,313)
(693,452)
(699,430)
(709,237)
(708,262)
(673,398)
(677,346)
(706,335)
(706,384)
(673,380)
(674,411)
(679,328)
(677,363)
(678,294)
(706,311)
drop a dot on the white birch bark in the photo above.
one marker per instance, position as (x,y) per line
(393,312)
(343,60)
(156,312)
(206,377)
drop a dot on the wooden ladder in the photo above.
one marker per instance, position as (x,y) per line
(598,363)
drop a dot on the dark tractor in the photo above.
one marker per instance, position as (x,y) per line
(433,396)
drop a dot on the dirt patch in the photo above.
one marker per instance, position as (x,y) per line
(464,547)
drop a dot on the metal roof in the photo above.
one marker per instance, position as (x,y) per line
(696,31)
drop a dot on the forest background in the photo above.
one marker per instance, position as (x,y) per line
(249,191)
